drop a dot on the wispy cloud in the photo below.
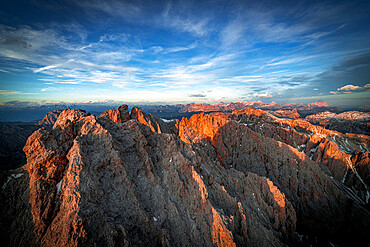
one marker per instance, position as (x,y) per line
(121,9)
(233,32)
(9,92)
(199,95)
(263,95)
(201,73)
(185,22)
(45,68)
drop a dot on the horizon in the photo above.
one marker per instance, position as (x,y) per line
(175,52)
(28,112)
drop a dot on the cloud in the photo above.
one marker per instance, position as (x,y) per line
(199,95)
(209,71)
(185,47)
(262,95)
(167,50)
(113,8)
(181,48)
(5,71)
(183,21)
(353,62)
(49,89)
(7,92)
(233,32)
(45,68)
(16,41)
(284,61)
(349,88)
(10,92)
(59,60)
(352,68)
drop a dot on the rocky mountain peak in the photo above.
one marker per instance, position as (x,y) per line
(318,104)
(49,118)
(120,115)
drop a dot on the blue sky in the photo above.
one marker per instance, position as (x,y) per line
(185,51)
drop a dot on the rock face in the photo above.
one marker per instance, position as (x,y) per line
(12,140)
(349,115)
(286,113)
(49,118)
(235,146)
(120,115)
(351,121)
(318,104)
(330,149)
(16,224)
(155,123)
(220,179)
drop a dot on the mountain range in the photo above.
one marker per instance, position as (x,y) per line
(232,177)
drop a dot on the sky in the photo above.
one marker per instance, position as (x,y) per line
(169,52)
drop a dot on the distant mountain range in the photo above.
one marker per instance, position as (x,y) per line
(35,112)
(197,107)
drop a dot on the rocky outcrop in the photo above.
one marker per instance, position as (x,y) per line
(318,104)
(154,122)
(120,115)
(220,179)
(330,149)
(286,113)
(311,191)
(320,116)
(16,224)
(49,118)
(351,121)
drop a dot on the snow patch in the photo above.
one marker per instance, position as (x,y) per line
(59,186)
(344,177)
(167,120)
(301,148)
(10,178)
(313,151)
(299,236)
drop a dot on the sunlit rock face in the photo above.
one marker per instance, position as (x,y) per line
(286,113)
(120,115)
(245,178)
(49,118)
(350,121)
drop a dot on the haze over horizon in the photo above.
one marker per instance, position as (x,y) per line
(185,51)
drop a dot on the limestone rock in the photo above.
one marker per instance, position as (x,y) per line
(154,122)
(49,118)
(220,179)
(120,115)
